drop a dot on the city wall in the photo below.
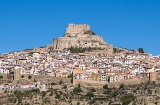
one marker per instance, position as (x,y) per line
(4,75)
(48,79)
(98,84)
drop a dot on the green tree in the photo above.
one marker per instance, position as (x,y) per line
(29,77)
(93,90)
(76,49)
(46,100)
(121,86)
(70,76)
(115,93)
(79,85)
(78,103)
(5,91)
(43,93)
(126,99)
(51,92)
(60,82)
(89,95)
(18,93)
(71,49)
(15,100)
(77,90)
(19,99)
(140,50)
(117,50)
(22,76)
(105,87)
(11,99)
(90,32)
(1,77)
(72,80)
(53,83)
(58,96)
(64,86)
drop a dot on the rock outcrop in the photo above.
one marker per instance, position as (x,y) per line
(80,35)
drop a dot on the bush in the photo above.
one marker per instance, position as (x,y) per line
(76,49)
(117,50)
(93,90)
(53,83)
(22,76)
(121,86)
(126,99)
(105,87)
(1,77)
(79,85)
(115,93)
(70,76)
(90,32)
(64,87)
(60,82)
(77,90)
(29,77)
(72,80)
(140,50)
(90,94)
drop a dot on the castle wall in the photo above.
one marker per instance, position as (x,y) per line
(77,28)
(64,43)
(98,84)
(75,37)
(153,76)
(83,35)
(68,42)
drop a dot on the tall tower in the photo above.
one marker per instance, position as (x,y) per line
(153,76)
(17,74)
(77,28)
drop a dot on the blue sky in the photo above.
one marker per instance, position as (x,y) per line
(129,24)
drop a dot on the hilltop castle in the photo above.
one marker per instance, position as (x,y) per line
(80,35)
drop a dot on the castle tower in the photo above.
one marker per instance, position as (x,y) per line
(153,76)
(17,74)
(77,28)
(80,35)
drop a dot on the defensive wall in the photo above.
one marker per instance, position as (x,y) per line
(98,84)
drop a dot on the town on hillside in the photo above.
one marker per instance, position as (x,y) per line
(79,68)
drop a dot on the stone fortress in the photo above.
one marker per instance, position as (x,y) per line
(80,35)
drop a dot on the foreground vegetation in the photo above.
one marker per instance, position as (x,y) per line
(80,95)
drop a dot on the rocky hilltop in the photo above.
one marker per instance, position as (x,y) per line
(80,35)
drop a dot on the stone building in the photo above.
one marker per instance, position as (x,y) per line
(153,76)
(77,28)
(17,74)
(77,36)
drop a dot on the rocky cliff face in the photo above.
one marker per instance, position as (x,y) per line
(75,36)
